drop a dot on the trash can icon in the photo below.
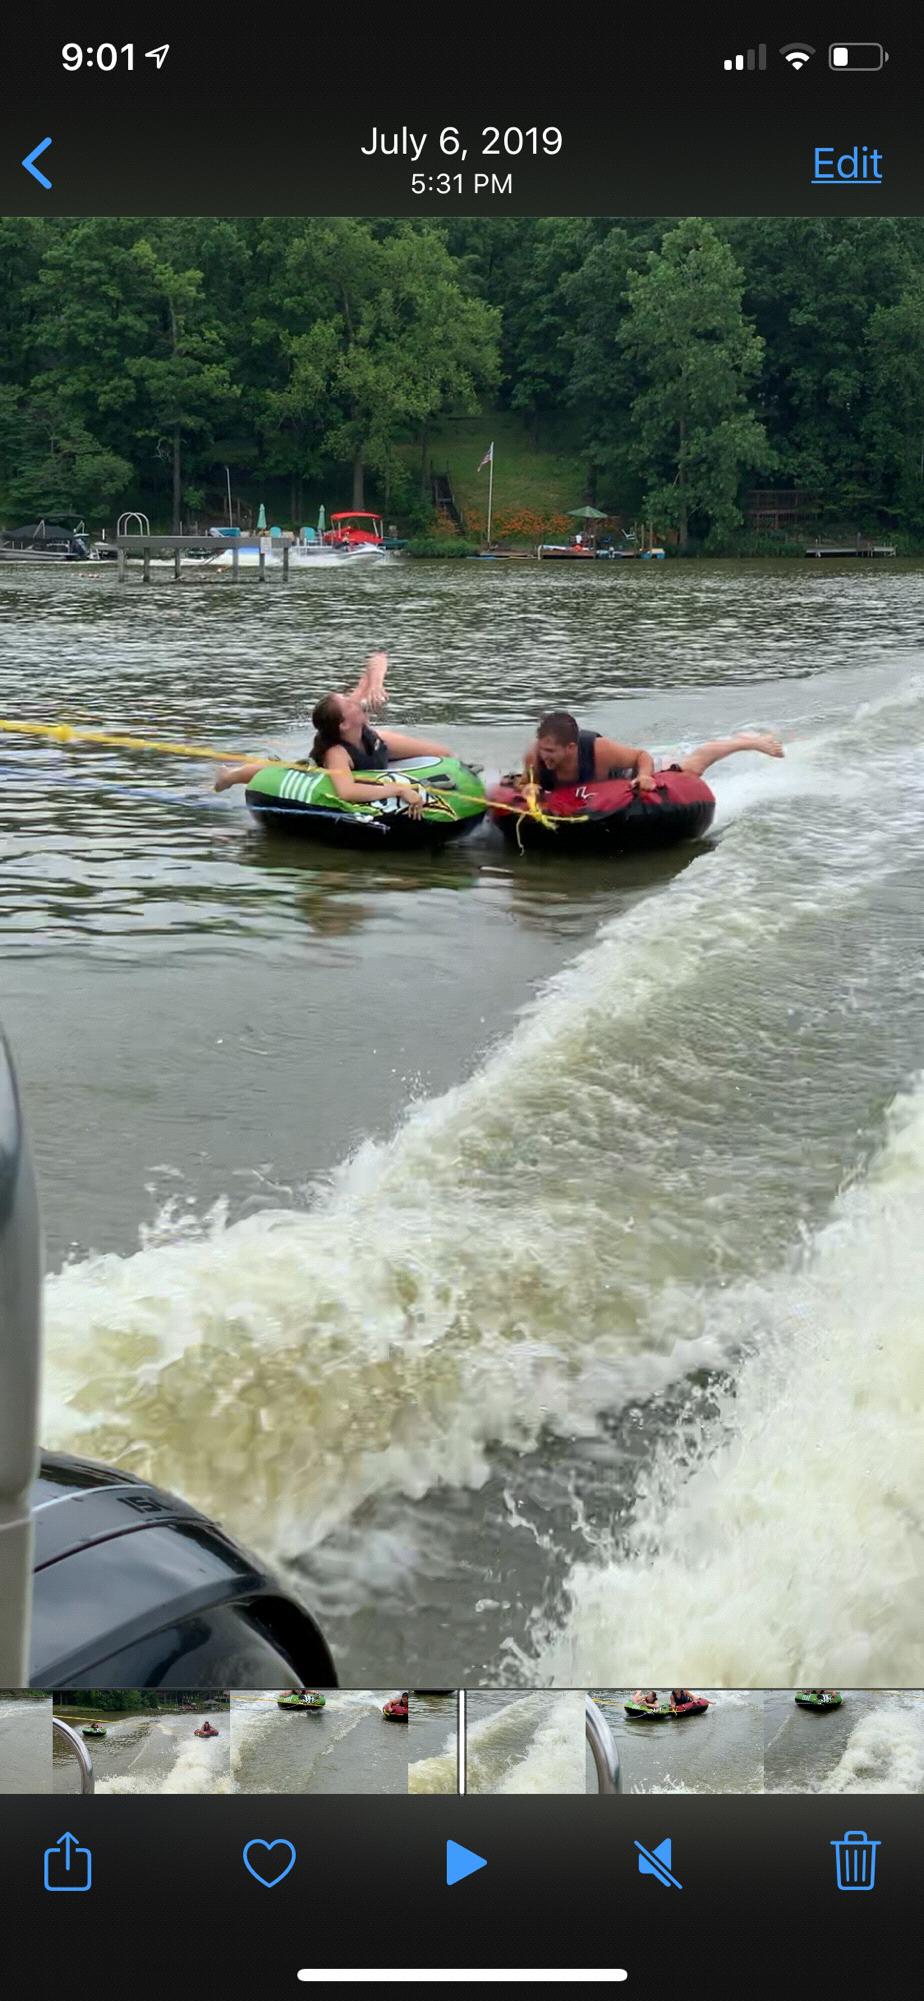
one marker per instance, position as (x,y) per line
(856,1860)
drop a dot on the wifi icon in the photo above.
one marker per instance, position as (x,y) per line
(797,53)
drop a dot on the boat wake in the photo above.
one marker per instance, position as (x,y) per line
(528,1747)
(195,1770)
(883,1754)
(788,1529)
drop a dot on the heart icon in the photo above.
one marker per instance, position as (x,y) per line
(266,1872)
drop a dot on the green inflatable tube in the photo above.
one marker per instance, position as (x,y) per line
(305,804)
(808,1701)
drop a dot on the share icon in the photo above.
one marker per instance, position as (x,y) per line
(657,1862)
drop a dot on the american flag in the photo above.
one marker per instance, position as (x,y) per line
(487,460)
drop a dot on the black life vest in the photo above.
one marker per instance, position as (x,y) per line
(586,763)
(371,755)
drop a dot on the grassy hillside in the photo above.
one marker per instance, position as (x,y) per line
(546,479)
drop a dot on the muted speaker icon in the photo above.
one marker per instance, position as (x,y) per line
(657,1862)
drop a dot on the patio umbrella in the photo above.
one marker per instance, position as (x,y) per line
(322,522)
(587,513)
(261,519)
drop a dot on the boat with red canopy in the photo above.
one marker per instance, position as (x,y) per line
(356,530)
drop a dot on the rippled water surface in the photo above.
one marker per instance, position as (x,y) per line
(25,1743)
(514,1249)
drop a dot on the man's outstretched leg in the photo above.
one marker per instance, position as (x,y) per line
(698,761)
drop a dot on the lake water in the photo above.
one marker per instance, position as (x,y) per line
(25,1743)
(525,1254)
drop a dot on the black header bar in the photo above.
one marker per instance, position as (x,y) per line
(372,112)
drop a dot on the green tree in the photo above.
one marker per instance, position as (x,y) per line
(129,335)
(22,240)
(378,337)
(894,429)
(813,286)
(697,358)
(601,379)
(50,464)
(538,317)
(184,376)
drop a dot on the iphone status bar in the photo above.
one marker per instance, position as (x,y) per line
(385,118)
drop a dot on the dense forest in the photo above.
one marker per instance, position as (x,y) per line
(142,361)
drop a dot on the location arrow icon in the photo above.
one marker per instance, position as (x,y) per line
(30,166)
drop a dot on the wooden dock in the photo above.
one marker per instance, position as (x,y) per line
(862,546)
(144,547)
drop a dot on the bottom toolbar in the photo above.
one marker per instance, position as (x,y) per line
(254,1895)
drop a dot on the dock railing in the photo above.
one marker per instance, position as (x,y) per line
(74,1742)
(603,1749)
(178,546)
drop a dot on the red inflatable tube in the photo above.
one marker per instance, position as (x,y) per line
(608,816)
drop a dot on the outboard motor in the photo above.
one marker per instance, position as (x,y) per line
(123,1585)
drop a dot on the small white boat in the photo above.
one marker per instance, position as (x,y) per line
(302,556)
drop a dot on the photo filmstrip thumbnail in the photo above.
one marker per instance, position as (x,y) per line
(827,1740)
(682,1740)
(142,1743)
(320,1741)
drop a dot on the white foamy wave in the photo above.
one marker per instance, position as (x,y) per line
(527,1747)
(792,1534)
(436,1774)
(195,1770)
(885,1754)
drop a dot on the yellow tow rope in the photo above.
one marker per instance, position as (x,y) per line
(69,733)
(65,733)
(532,810)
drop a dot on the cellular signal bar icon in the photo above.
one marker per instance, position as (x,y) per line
(753,59)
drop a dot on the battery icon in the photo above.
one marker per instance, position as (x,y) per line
(857,55)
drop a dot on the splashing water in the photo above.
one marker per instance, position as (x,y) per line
(770,1536)
(528,1747)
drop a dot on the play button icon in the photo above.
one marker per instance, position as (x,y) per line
(462,1862)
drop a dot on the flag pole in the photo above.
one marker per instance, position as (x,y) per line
(490,493)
